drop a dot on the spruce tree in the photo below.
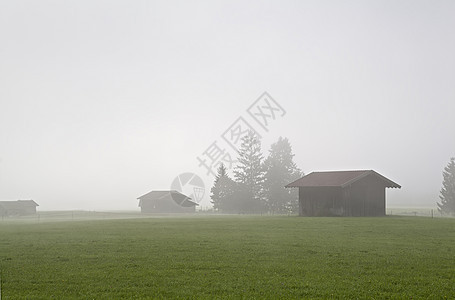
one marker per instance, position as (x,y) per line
(447,194)
(222,192)
(280,170)
(249,175)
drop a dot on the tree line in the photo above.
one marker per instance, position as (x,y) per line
(258,184)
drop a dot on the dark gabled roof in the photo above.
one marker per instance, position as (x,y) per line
(338,179)
(17,204)
(178,197)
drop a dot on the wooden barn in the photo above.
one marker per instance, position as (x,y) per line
(18,208)
(166,202)
(343,193)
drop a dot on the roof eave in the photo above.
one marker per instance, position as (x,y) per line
(291,185)
(396,186)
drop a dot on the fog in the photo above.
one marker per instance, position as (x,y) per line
(104,101)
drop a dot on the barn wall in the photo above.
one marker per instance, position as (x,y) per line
(366,197)
(163,205)
(29,209)
(18,209)
(320,201)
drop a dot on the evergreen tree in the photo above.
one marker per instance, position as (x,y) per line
(447,196)
(222,192)
(249,175)
(280,170)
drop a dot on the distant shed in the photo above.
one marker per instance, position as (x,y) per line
(18,208)
(166,202)
(343,193)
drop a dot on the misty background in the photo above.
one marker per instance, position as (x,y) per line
(104,101)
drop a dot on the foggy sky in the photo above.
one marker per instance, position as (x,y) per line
(104,101)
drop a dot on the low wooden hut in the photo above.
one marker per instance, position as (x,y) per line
(18,208)
(166,202)
(343,193)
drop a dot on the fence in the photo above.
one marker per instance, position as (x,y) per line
(416,212)
(55,216)
(50,216)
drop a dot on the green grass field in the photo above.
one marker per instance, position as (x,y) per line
(229,257)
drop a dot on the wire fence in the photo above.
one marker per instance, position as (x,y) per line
(416,212)
(56,216)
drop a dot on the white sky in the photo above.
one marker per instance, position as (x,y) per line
(103,101)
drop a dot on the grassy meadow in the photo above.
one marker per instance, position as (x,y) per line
(229,257)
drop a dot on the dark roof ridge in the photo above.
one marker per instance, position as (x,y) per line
(19,201)
(338,178)
(164,192)
(170,193)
